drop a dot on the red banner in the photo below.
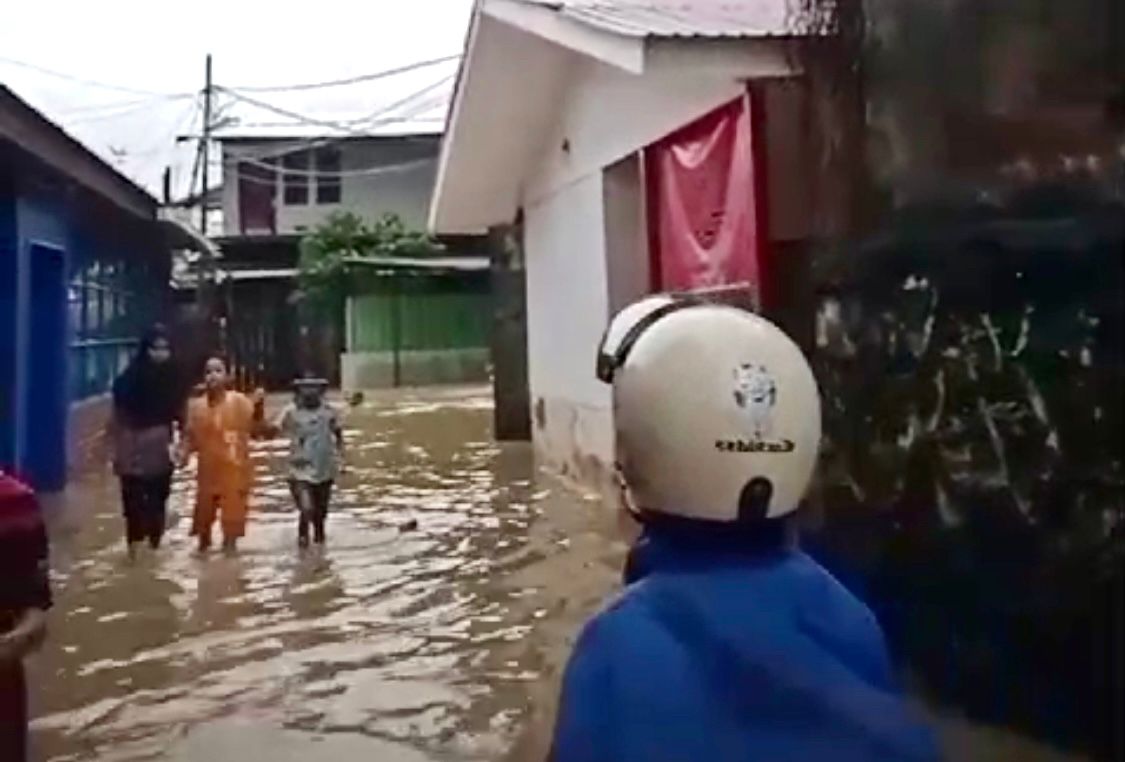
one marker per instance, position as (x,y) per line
(705,212)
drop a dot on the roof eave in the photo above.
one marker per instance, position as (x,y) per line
(624,52)
(34,134)
(433,220)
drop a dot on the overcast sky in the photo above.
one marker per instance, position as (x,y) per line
(159,48)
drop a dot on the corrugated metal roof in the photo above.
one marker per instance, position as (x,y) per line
(682,18)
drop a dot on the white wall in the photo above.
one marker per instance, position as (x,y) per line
(405,191)
(610,113)
(567,311)
(585,246)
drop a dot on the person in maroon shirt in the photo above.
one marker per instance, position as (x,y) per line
(25,596)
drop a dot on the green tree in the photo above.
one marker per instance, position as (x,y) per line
(327,252)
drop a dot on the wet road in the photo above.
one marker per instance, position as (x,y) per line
(436,643)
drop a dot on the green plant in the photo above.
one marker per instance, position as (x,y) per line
(327,252)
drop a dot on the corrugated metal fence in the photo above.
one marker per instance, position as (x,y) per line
(421,313)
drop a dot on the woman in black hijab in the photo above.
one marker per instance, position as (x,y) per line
(148,400)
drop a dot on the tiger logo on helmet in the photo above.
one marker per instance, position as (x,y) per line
(755,392)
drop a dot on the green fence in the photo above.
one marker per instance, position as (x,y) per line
(420,313)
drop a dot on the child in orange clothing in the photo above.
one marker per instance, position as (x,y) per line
(219,427)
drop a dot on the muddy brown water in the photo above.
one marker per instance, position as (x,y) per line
(436,644)
(442,642)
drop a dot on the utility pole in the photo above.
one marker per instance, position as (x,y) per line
(206,144)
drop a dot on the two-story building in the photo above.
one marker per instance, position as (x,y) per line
(276,189)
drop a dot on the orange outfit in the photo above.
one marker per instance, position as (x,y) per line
(220,433)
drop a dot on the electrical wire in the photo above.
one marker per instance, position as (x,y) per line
(368,172)
(166,141)
(142,105)
(370,121)
(268,125)
(398,104)
(82,110)
(287,113)
(81,80)
(350,80)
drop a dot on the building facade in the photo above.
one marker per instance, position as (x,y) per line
(592,95)
(84,268)
(276,190)
(286,187)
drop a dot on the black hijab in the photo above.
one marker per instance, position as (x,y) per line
(146,393)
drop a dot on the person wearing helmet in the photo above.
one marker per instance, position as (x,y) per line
(728,643)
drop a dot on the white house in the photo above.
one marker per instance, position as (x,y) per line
(556,105)
(284,186)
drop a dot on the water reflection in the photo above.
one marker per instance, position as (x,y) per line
(393,643)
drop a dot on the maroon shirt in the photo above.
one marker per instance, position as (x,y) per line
(24,579)
(24,584)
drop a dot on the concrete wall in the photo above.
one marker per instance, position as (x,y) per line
(405,192)
(567,310)
(376,370)
(610,114)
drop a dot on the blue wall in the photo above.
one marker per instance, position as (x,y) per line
(8,293)
(76,289)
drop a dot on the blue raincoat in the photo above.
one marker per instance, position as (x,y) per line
(715,653)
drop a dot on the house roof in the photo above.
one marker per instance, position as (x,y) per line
(524,60)
(680,18)
(36,135)
(461,264)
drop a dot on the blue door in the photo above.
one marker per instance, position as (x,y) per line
(9,299)
(44,398)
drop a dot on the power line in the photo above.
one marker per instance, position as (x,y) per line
(166,141)
(351,80)
(398,104)
(370,121)
(265,125)
(345,126)
(105,106)
(286,112)
(121,112)
(81,80)
(368,172)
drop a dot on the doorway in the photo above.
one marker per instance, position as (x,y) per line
(42,412)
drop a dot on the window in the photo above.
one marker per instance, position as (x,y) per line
(257,195)
(328,176)
(109,303)
(296,183)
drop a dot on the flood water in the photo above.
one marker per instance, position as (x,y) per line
(436,642)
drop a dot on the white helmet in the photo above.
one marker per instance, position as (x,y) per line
(716,410)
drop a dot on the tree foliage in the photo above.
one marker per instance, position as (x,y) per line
(326,252)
